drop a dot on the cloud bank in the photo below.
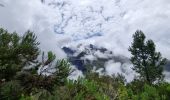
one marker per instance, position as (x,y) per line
(23,15)
(109,23)
(112,22)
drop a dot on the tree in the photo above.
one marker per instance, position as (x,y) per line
(45,75)
(16,52)
(20,66)
(147,62)
(10,90)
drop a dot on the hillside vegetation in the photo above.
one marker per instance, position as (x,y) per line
(24,76)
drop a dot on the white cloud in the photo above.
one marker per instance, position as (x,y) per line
(75,74)
(116,21)
(21,15)
(113,68)
(167,76)
(124,69)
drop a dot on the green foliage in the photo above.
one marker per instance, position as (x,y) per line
(150,92)
(109,85)
(62,71)
(147,62)
(41,95)
(10,91)
(18,62)
(143,91)
(32,82)
(122,93)
(16,52)
(29,47)
(23,77)
(23,97)
(136,86)
(82,89)
(51,56)
(164,90)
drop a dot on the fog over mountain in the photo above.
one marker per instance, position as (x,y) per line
(102,23)
(98,59)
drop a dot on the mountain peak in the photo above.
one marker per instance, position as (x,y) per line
(82,55)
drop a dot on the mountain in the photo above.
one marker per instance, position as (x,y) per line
(167,66)
(89,57)
(86,57)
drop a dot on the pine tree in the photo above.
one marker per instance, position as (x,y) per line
(147,62)
(16,52)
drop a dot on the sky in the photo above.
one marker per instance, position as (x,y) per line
(107,23)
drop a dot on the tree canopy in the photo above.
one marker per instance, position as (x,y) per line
(146,61)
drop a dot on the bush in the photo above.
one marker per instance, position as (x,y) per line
(10,91)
